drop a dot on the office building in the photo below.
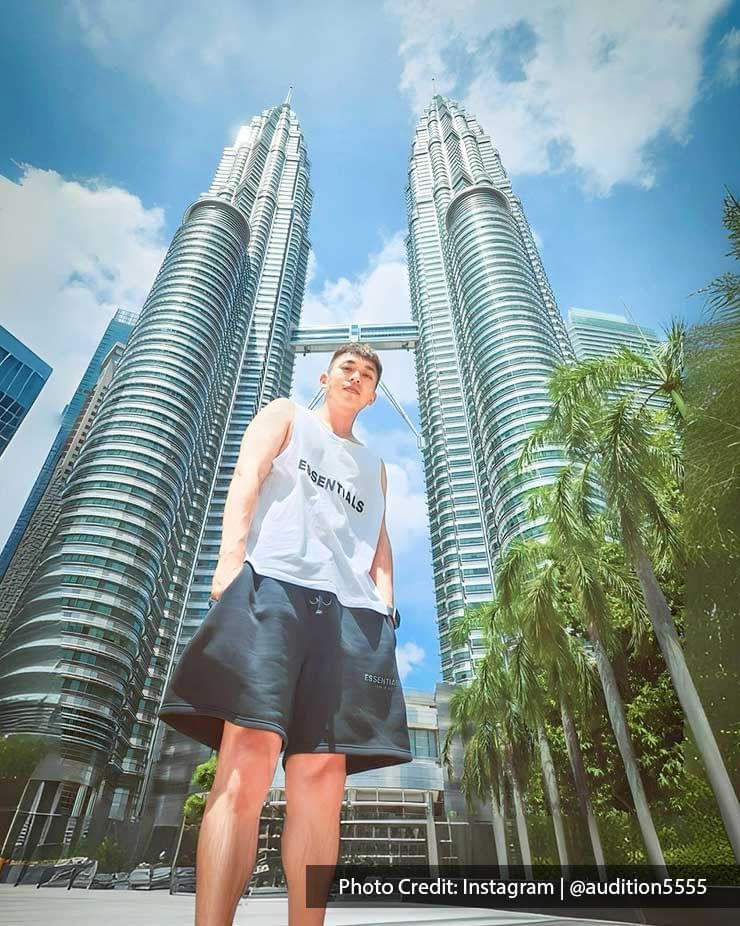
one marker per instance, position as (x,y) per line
(117,331)
(598,334)
(22,377)
(45,516)
(127,572)
(129,569)
(489,336)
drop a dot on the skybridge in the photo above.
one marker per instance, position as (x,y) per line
(380,337)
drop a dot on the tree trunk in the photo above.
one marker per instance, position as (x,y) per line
(581,782)
(553,796)
(615,709)
(499,831)
(670,646)
(521,820)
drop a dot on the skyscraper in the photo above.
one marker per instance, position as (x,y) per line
(124,581)
(126,576)
(490,335)
(269,163)
(22,377)
(45,516)
(598,334)
(119,328)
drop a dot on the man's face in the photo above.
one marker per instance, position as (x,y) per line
(351,381)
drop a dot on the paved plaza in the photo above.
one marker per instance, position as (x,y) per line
(27,906)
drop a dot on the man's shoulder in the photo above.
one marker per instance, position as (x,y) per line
(276,416)
(282,402)
(280,408)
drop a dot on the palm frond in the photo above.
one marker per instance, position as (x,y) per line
(461,627)
(723,303)
(518,561)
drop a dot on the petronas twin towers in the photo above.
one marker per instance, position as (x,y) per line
(123,581)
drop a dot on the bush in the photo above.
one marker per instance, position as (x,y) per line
(108,854)
(19,756)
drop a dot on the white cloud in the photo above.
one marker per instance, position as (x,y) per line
(579,84)
(409,655)
(208,51)
(73,252)
(311,269)
(728,68)
(378,294)
(155,41)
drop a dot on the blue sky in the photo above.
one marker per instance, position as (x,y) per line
(618,124)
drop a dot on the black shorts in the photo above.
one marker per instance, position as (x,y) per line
(277,656)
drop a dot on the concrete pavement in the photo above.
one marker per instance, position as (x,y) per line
(27,906)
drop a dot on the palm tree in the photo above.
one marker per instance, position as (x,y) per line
(635,460)
(580,778)
(482,773)
(636,376)
(566,576)
(563,663)
(498,690)
(500,747)
(529,688)
(724,292)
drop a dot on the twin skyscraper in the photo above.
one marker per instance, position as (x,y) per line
(120,581)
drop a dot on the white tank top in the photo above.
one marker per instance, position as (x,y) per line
(318,515)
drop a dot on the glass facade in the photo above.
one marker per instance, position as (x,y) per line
(490,334)
(45,516)
(22,377)
(266,172)
(118,330)
(598,334)
(79,654)
(124,580)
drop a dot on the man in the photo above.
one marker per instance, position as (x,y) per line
(298,651)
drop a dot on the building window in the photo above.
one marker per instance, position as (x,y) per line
(423,743)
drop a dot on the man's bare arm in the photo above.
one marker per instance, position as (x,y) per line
(381,571)
(266,436)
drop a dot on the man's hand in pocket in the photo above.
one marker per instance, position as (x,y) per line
(226,572)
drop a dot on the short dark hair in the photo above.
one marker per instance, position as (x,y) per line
(359,350)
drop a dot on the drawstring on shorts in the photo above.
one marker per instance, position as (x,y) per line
(318,603)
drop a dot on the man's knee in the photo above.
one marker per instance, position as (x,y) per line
(246,765)
(315,783)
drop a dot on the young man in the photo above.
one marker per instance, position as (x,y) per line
(298,651)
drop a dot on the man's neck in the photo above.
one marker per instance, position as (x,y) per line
(339,421)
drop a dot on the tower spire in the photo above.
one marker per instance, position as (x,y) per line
(288,96)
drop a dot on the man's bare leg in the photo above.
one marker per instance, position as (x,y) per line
(314,787)
(227,843)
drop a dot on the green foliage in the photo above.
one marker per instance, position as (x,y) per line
(205,773)
(109,854)
(654,719)
(194,806)
(723,300)
(19,755)
(711,515)
(203,777)
(692,826)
